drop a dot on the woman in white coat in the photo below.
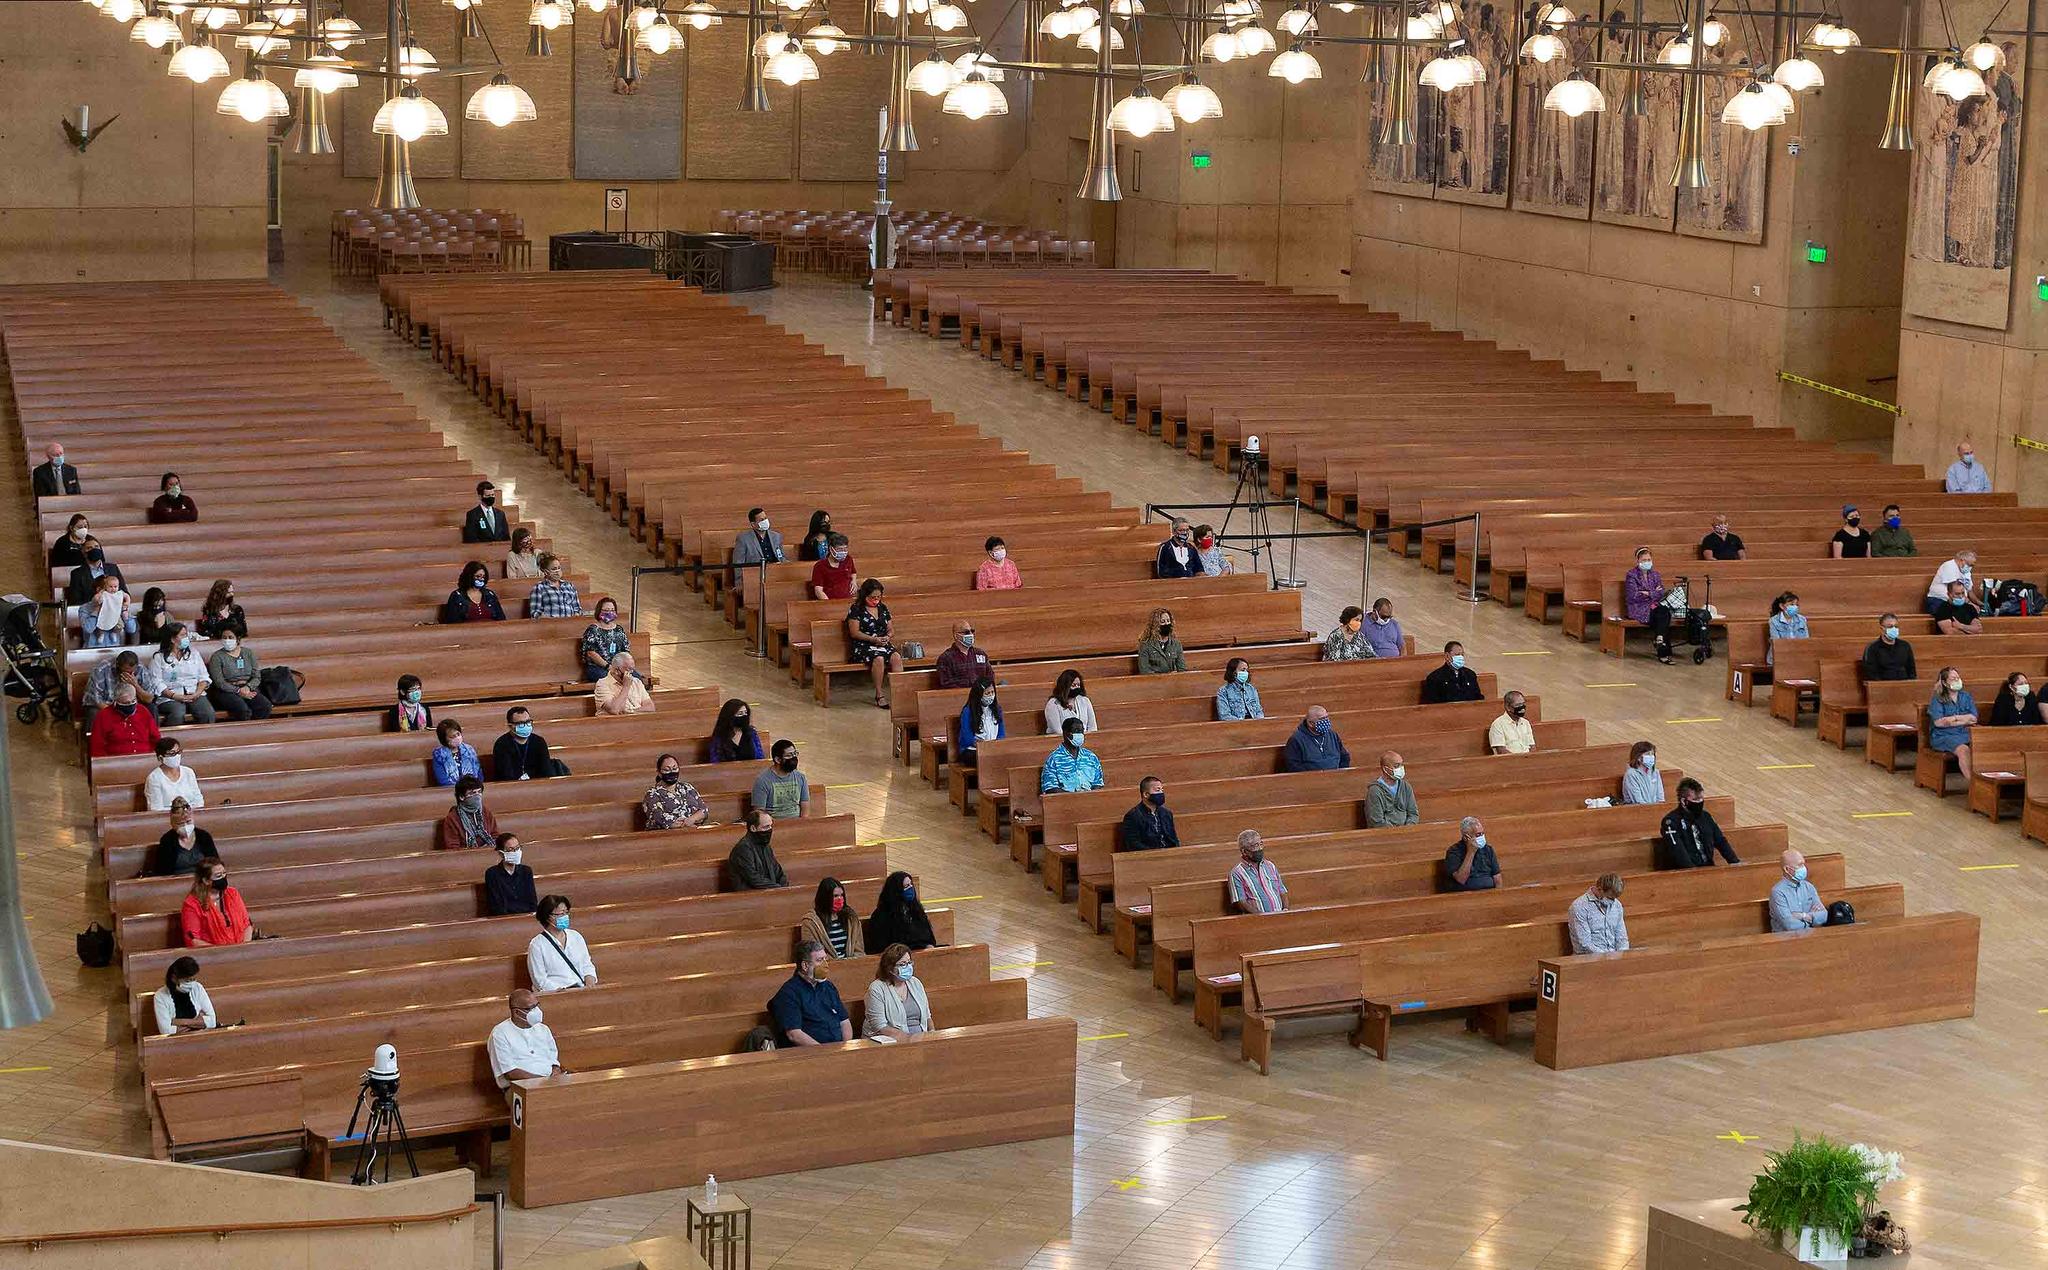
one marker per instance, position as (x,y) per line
(897,1005)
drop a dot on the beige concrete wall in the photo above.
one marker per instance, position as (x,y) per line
(51,1190)
(170,190)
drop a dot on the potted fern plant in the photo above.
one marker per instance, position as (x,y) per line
(1814,1196)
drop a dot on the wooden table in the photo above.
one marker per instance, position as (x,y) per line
(726,1225)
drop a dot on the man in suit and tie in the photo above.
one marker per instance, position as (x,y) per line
(85,579)
(53,476)
(756,545)
(485,523)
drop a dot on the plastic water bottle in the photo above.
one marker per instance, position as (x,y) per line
(711,1191)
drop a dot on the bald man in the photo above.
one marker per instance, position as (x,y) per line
(522,1047)
(1315,745)
(53,475)
(1795,904)
(1390,800)
(1966,475)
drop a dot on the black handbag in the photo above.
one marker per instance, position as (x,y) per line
(280,685)
(1841,913)
(96,946)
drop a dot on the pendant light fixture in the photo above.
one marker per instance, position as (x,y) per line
(1192,101)
(409,116)
(1575,95)
(500,103)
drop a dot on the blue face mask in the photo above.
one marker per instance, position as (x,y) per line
(522,730)
(1891,522)
(1799,874)
(1458,661)
(909,891)
(1244,676)
(57,461)
(1479,840)
(1321,727)
(561,921)
(1791,610)
(413,697)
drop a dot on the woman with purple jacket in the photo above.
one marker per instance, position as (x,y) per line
(1642,600)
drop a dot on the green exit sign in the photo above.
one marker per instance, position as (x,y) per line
(1200,159)
(2041,285)
(1816,254)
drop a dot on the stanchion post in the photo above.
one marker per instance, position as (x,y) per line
(633,604)
(761,603)
(1473,594)
(1365,579)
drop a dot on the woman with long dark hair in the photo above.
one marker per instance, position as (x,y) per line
(898,917)
(733,738)
(832,923)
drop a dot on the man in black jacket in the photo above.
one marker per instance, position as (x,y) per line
(521,754)
(1888,656)
(484,522)
(53,476)
(752,866)
(85,579)
(1690,838)
(1149,826)
(1450,681)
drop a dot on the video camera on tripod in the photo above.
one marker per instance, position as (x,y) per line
(385,1128)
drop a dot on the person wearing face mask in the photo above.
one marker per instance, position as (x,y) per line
(1511,732)
(1255,885)
(605,638)
(1159,650)
(468,823)
(817,537)
(68,552)
(1348,641)
(485,522)
(1069,700)
(182,1005)
(2017,706)
(1960,567)
(1149,825)
(733,738)
(155,617)
(1315,745)
(220,614)
(672,802)
(1852,540)
(781,789)
(123,667)
(85,579)
(871,637)
(1238,698)
(1642,785)
(831,923)
(1957,616)
(1177,558)
(1892,537)
(1795,903)
(997,572)
(553,596)
(621,690)
(897,1005)
(170,778)
(807,1009)
(508,884)
(1470,864)
(962,663)
(757,544)
(981,719)
(1452,681)
(520,753)
(558,958)
(1719,544)
(1642,600)
(183,846)
(123,727)
(1888,657)
(1786,622)
(411,713)
(236,679)
(1072,767)
(523,560)
(214,914)
(1390,800)
(472,600)
(1950,716)
(1208,554)
(751,865)
(1689,838)
(54,475)
(832,577)
(171,506)
(521,1046)
(1595,919)
(898,917)
(1966,475)
(453,758)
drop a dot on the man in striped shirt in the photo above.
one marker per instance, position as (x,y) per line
(1255,886)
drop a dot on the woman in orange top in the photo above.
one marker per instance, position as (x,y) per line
(213,912)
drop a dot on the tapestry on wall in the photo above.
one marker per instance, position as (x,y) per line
(1962,213)
(1731,207)
(1633,159)
(1396,169)
(625,131)
(1553,169)
(1476,136)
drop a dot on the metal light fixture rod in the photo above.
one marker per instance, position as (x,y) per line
(754,89)
(1898,120)
(1099,183)
(395,189)
(901,134)
(1690,171)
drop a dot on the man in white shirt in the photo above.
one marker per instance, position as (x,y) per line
(170,779)
(1966,475)
(1958,568)
(522,1048)
(557,958)
(1511,732)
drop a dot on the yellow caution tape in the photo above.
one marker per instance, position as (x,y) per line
(1857,397)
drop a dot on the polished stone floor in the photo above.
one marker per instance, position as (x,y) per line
(1452,1154)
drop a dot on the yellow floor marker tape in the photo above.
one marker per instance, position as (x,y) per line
(1021,965)
(1161,1124)
(1126,1183)
(1782,767)
(1980,868)
(1532,652)
(1877,815)
(1737,1138)
(883,841)
(952,899)
(1612,685)
(1118,1036)
(9,1071)
(848,785)
(1705,718)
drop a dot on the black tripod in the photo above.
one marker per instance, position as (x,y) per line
(385,1127)
(1251,477)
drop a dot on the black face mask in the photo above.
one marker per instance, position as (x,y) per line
(788,764)
(1165,629)
(95,556)
(1694,809)
(219,885)
(760,838)
(670,778)
(489,499)
(124,711)
(1518,711)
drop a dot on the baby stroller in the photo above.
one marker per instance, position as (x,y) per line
(31,670)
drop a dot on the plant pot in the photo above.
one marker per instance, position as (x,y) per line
(1813,1247)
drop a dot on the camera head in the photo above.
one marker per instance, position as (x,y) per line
(382,1074)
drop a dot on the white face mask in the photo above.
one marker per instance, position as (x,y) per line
(1644,565)
(762,524)
(2020,690)
(1000,554)
(184,833)
(514,857)
(1400,773)
(533,1016)
(174,761)
(230,643)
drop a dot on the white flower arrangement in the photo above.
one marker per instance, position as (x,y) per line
(1884,1166)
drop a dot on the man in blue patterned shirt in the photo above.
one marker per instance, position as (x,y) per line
(1072,768)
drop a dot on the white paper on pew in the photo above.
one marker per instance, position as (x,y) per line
(882,1040)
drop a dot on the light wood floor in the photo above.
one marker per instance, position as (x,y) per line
(1452,1154)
